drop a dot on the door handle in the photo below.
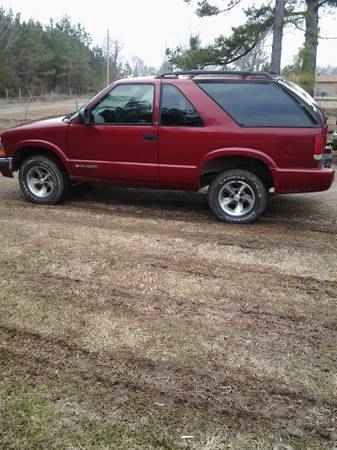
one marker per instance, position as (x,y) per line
(150,137)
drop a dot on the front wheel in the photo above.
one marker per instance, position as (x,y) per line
(42,180)
(237,196)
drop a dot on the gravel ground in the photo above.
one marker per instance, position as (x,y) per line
(131,319)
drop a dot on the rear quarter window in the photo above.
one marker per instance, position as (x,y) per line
(258,104)
(176,110)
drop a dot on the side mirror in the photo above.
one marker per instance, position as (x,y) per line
(86,117)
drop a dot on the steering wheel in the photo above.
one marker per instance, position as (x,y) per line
(104,114)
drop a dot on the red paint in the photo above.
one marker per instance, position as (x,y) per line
(176,158)
(131,158)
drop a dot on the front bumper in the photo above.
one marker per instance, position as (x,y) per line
(6,167)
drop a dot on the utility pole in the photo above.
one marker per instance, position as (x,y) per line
(277,36)
(108,57)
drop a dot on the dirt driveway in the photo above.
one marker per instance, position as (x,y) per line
(131,319)
(12,114)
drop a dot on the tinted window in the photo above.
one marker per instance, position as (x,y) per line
(258,104)
(126,104)
(176,110)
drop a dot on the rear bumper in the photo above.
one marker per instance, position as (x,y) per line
(306,180)
(6,167)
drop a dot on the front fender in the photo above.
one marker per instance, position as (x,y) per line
(43,145)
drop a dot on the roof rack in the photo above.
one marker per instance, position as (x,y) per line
(196,73)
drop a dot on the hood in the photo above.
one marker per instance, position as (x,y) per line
(42,123)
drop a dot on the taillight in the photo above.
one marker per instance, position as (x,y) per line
(320,143)
(2,149)
(325,136)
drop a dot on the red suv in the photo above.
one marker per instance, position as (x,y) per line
(240,134)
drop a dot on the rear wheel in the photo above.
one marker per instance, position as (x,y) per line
(237,196)
(42,180)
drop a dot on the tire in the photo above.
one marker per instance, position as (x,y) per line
(237,196)
(42,180)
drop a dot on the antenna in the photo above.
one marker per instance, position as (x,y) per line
(108,57)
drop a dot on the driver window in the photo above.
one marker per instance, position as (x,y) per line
(126,104)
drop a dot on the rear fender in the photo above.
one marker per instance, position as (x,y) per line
(240,152)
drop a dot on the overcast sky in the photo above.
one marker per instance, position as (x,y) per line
(147,27)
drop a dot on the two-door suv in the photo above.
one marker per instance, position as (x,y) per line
(241,134)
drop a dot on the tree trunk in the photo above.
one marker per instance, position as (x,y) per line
(277,36)
(308,73)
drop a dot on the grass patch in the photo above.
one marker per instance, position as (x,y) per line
(26,418)
(31,421)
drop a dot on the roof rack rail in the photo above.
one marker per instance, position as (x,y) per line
(195,73)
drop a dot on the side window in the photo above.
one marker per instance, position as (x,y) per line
(176,110)
(259,104)
(127,104)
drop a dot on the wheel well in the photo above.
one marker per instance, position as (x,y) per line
(214,167)
(27,152)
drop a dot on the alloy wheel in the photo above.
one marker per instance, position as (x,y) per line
(236,198)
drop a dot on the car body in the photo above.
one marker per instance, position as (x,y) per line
(175,132)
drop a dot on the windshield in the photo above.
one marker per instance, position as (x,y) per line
(74,114)
(68,117)
(71,115)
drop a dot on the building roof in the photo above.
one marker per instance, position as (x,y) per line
(326,79)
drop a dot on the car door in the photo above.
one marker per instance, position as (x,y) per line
(121,142)
(183,138)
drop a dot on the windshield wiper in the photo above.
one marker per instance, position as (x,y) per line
(67,116)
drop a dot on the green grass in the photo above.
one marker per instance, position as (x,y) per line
(30,421)
(26,419)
